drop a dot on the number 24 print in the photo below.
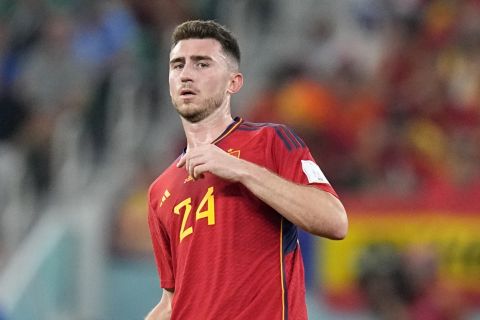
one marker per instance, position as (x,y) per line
(206,209)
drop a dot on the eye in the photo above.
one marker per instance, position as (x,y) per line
(177,66)
(202,65)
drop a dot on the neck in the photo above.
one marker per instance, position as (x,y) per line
(208,129)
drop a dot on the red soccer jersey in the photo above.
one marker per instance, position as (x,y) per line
(225,253)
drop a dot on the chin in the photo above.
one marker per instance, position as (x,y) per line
(192,115)
(193,112)
(186,108)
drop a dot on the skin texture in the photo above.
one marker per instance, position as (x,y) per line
(202,79)
(163,309)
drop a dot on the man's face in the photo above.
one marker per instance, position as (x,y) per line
(199,77)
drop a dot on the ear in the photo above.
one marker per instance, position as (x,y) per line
(236,83)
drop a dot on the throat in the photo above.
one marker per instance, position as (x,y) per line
(206,132)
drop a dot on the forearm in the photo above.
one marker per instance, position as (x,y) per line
(163,309)
(313,210)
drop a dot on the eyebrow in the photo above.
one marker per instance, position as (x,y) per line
(194,58)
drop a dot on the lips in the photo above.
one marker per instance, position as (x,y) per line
(187,92)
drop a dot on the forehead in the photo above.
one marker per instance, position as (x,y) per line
(197,47)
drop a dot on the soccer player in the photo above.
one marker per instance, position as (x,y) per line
(224,216)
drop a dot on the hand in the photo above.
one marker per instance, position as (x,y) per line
(210,158)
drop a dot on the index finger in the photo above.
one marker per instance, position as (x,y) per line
(182,161)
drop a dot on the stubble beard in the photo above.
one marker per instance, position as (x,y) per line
(196,114)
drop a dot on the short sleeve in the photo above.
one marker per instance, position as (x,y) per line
(161,248)
(294,162)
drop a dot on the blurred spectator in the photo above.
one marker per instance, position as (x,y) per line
(332,116)
(155,19)
(102,33)
(102,43)
(405,285)
(429,298)
(383,282)
(13,115)
(64,93)
(13,45)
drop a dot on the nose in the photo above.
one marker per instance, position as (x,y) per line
(186,73)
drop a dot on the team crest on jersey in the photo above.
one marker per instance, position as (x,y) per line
(235,153)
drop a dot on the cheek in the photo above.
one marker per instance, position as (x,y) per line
(171,83)
(216,84)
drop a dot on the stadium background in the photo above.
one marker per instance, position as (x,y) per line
(386,94)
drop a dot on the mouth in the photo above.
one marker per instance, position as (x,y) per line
(187,93)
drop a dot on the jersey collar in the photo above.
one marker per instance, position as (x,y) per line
(231,127)
(237,121)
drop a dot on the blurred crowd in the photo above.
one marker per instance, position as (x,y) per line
(82,83)
(385,93)
(71,73)
(59,61)
(393,104)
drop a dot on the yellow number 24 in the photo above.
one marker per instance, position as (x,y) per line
(209,212)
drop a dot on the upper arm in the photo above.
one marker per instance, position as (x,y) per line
(295,163)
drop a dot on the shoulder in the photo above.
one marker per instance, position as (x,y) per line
(259,126)
(275,131)
(162,180)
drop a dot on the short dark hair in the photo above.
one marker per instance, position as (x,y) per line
(200,29)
